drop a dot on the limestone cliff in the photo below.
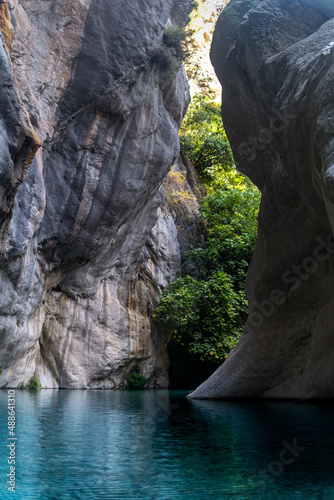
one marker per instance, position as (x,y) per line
(88,130)
(275,61)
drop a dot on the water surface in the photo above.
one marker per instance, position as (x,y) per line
(93,444)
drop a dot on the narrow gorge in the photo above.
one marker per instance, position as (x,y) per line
(91,103)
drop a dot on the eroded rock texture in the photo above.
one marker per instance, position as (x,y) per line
(275,59)
(88,132)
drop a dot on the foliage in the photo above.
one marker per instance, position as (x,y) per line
(136,380)
(33,383)
(199,312)
(203,140)
(176,48)
(166,59)
(205,310)
(1,371)
(232,16)
(231,219)
(177,40)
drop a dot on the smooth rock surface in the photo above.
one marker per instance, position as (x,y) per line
(86,248)
(275,61)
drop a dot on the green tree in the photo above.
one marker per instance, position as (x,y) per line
(203,140)
(202,314)
(231,221)
(205,309)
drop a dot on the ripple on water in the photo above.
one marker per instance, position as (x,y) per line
(158,445)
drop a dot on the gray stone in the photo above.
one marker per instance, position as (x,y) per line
(275,61)
(86,245)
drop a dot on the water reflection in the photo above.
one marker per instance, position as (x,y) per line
(158,445)
(258,433)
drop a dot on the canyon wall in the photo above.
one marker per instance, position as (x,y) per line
(89,123)
(275,60)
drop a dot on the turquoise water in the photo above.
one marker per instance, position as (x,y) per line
(158,445)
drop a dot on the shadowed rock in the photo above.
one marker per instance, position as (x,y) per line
(85,247)
(274,59)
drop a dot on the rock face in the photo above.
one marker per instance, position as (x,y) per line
(88,130)
(275,61)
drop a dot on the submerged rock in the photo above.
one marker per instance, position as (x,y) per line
(275,61)
(89,130)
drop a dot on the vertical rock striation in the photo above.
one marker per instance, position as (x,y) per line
(275,61)
(88,130)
